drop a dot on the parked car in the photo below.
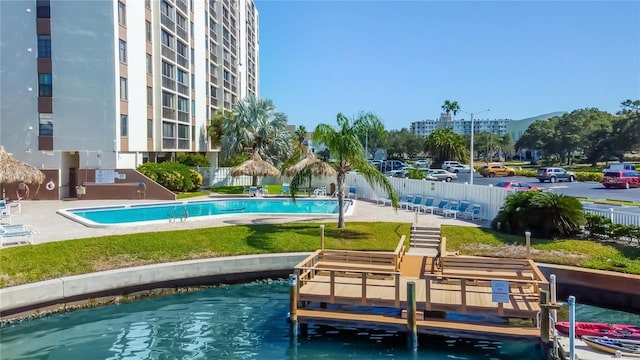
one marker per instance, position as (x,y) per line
(459,168)
(422,164)
(621,179)
(447,164)
(619,167)
(553,174)
(441,174)
(492,170)
(519,186)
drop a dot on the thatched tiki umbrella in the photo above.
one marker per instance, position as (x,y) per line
(13,170)
(311,166)
(255,167)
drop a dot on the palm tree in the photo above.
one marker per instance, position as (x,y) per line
(451,107)
(255,126)
(443,144)
(214,129)
(301,135)
(346,149)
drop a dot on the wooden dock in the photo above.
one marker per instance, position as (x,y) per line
(330,282)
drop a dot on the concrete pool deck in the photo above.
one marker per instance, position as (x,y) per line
(42,217)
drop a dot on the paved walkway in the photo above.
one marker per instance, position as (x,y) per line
(42,217)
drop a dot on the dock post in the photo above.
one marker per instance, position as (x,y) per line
(527,236)
(572,327)
(293,303)
(544,317)
(322,236)
(411,316)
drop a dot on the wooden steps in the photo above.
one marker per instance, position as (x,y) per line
(425,241)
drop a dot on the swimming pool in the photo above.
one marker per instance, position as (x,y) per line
(177,211)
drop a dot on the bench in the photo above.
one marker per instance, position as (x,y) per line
(509,269)
(362,260)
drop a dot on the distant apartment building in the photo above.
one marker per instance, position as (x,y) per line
(462,127)
(114,83)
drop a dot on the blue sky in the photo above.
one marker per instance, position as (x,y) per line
(401,60)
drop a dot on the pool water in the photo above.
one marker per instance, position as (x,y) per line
(235,322)
(181,211)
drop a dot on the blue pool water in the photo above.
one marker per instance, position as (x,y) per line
(235,322)
(180,211)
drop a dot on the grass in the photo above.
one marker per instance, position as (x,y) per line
(25,264)
(191,194)
(610,201)
(582,253)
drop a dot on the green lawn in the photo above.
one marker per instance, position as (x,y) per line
(25,264)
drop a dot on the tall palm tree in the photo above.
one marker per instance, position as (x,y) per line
(443,144)
(301,134)
(346,149)
(214,129)
(451,107)
(256,126)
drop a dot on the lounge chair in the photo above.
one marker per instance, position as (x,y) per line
(407,200)
(451,209)
(438,208)
(353,192)
(15,231)
(416,203)
(427,203)
(285,188)
(473,212)
(320,191)
(384,200)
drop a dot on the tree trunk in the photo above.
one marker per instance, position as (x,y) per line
(340,184)
(254,181)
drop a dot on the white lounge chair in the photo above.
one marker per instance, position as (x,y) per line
(451,209)
(15,231)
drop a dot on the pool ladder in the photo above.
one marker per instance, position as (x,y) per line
(173,215)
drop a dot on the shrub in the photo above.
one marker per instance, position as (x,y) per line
(546,214)
(589,176)
(194,160)
(173,176)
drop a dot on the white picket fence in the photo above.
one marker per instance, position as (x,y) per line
(490,198)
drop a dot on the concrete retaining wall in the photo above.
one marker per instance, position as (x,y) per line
(22,298)
(595,287)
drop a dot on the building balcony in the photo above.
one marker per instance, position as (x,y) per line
(213,101)
(183,144)
(168,53)
(227,64)
(168,113)
(182,61)
(168,83)
(182,6)
(183,116)
(168,143)
(183,89)
(167,22)
(182,33)
(213,57)
(213,78)
(227,85)
(213,34)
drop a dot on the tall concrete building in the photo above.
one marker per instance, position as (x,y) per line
(111,84)
(460,126)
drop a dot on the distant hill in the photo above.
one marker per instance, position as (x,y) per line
(515,128)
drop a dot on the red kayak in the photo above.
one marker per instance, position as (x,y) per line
(600,329)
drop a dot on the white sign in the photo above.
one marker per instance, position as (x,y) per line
(500,291)
(121,176)
(105,176)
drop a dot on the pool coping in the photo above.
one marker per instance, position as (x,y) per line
(68,212)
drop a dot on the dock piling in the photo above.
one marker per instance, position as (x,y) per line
(322,236)
(293,303)
(544,317)
(412,335)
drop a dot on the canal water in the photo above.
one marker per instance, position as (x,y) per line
(245,321)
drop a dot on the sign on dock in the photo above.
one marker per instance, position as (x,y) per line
(499,291)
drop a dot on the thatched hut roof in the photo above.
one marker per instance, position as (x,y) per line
(315,165)
(13,170)
(255,167)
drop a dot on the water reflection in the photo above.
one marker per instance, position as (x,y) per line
(236,322)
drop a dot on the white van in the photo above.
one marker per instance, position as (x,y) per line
(618,167)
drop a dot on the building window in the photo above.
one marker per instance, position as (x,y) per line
(183,131)
(148,30)
(181,49)
(124,123)
(181,21)
(123,51)
(149,128)
(166,9)
(193,55)
(149,96)
(167,70)
(46,125)
(44,46)
(123,89)
(181,77)
(43,9)
(149,64)
(45,85)
(168,130)
(193,82)
(183,104)
(147,3)
(167,40)
(193,107)
(168,100)
(122,15)
(192,29)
